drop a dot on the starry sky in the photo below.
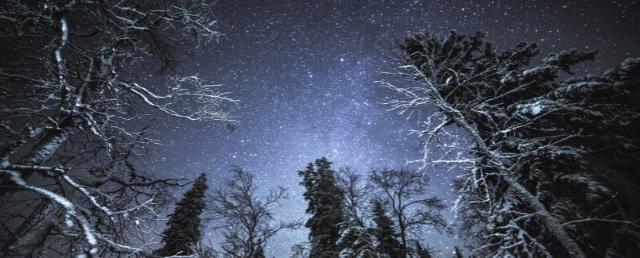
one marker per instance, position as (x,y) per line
(303,72)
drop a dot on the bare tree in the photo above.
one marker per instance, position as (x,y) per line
(301,250)
(404,191)
(356,238)
(356,197)
(69,85)
(247,219)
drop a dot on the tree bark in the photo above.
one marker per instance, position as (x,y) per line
(32,232)
(50,141)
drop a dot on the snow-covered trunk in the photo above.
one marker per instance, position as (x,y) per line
(550,223)
(30,235)
(48,146)
(34,229)
(50,142)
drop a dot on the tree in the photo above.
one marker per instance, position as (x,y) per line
(404,190)
(356,240)
(68,96)
(325,205)
(300,250)
(457,253)
(422,252)
(204,251)
(247,219)
(551,158)
(259,253)
(385,233)
(355,193)
(183,231)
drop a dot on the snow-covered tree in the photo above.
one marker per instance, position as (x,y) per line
(300,250)
(356,240)
(68,100)
(385,232)
(550,167)
(325,205)
(404,191)
(245,217)
(183,231)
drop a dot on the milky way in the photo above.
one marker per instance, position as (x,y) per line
(304,70)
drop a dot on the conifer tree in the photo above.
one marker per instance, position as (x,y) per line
(555,156)
(387,243)
(325,199)
(422,252)
(183,229)
(356,240)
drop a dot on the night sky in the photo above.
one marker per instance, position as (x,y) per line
(304,70)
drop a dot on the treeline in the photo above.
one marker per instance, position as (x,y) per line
(550,159)
(350,216)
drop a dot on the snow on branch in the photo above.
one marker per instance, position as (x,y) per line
(188,98)
(74,102)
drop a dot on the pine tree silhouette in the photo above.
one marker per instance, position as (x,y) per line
(325,206)
(387,243)
(183,228)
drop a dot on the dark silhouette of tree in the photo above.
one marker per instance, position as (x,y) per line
(356,239)
(259,253)
(457,253)
(325,205)
(422,252)
(353,185)
(403,191)
(384,232)
(553,157)
(183,231)
(245,217)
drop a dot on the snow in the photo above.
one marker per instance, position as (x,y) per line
(534,108)
(65,31)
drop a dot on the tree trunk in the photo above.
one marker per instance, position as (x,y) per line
(403,236)
(39,154)
(551,224)
(32,232)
